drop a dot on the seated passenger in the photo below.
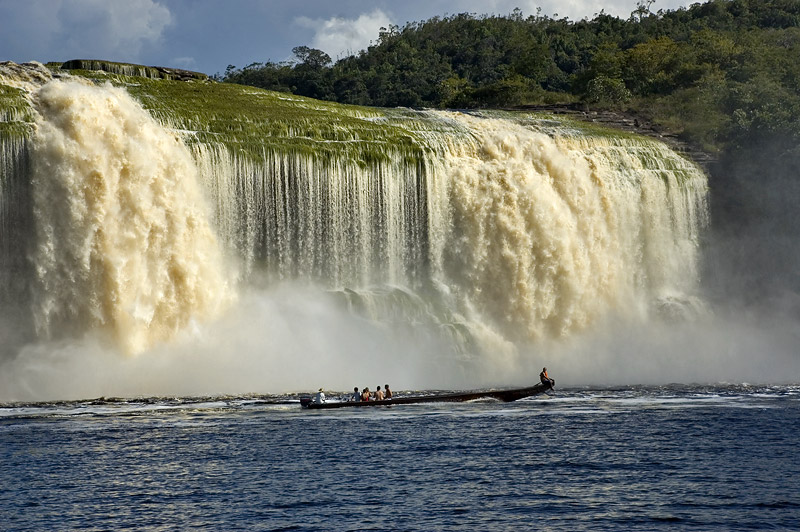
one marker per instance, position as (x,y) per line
(356,394)
(387,394)
(320,397)
(545,378)
(379,394)
(365,394)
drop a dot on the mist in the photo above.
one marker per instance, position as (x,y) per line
(287,339)
(295,338)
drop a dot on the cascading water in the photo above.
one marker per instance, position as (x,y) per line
(122,239)
(548,234)
(533,234)
(476,235)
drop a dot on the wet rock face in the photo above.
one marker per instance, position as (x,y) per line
(157,72)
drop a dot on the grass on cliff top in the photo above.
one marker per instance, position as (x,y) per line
(253,122)
(250,120)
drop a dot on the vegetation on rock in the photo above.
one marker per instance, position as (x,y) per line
(720,73)
(724,75)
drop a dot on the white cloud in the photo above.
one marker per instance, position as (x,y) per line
(51,30)
(340,37)
(112,29)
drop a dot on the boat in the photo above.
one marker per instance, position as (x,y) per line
(506,396)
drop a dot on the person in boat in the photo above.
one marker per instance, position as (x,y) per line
(356,395)
(387,393)
(545,378)
(320,397)
(379,394)
(365,394)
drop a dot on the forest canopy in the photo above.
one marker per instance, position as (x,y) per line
(718,73)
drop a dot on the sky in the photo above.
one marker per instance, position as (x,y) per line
(208,35)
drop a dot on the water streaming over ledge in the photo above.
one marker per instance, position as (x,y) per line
(123,240)
(488,230)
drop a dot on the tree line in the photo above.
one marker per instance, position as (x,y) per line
(717,72)
(724,75)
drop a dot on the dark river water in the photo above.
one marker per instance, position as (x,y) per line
(638,458)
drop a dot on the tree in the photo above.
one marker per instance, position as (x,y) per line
(605,92)
(311,57)
(642,10)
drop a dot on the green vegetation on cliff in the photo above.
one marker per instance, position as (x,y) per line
(252,121)
(15,112)
(719,73)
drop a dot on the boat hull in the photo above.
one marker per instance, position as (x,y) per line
(501,395)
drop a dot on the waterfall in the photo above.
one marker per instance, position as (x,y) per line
(548,234)
(298,216)
(487,230)
(122,237)
(499,223)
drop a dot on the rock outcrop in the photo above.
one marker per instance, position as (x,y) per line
(128,69)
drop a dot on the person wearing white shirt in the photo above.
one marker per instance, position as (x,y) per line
(320,397)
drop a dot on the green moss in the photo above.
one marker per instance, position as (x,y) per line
(15,129)
(247,119)
(16,115)
(253,123)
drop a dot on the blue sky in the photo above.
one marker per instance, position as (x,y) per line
(208,35)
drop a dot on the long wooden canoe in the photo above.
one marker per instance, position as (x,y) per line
(501,395)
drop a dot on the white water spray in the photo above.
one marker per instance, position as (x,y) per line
(123,242)
(546,235)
